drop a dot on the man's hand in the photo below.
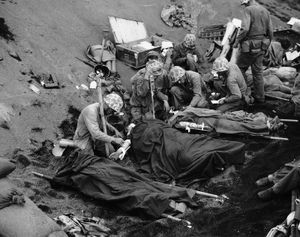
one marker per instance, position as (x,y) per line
(189,57)
(235,45)
(222,101)
(166,105)
(169,53)
(119,141)
(118,134)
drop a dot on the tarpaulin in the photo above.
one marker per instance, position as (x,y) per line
(105,180)
(169,155)
(237,122)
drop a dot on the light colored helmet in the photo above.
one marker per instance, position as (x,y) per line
(221,64)
(176,73)
(154,67)
(189,41)
(244,2)
(114,101)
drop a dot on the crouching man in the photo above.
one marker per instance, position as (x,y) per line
(150,91)
(186,54)
(188,88)
(89,135)
(230,84)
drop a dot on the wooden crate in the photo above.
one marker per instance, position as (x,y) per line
(129,36)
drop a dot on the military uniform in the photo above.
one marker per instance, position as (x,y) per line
(255,37)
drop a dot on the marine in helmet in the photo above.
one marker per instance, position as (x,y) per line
(89,135)
(254,39)
(140,101)
(186,54)
(229,82)
(188,88)
(151,56)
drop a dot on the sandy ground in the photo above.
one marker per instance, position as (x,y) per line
(47,36)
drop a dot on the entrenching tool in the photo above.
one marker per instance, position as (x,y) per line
(89,63)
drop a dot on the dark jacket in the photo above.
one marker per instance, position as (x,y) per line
(180,52)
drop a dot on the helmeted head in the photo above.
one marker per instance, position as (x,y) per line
(176,73)
(114,101)
(153,55)
(245,2)
(221,64)
(155,68)
(189,41)
(220,67)
(102,70)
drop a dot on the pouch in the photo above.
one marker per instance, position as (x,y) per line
(255,46)
(265,44)
(245,46)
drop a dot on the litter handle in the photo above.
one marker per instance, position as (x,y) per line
(40,175)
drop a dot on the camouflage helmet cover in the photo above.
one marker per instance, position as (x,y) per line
(189,40)
(221,64)
(176,73)
(154,67)
(114,101)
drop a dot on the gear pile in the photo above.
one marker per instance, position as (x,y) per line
(176,16)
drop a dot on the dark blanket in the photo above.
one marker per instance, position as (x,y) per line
(170,155)
(105,180)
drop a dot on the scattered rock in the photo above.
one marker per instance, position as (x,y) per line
(28,184)
(14,54)
(22,161)
(26,47)
(25,71)
(6,112)
(36,129)
(53,193)
(45,208)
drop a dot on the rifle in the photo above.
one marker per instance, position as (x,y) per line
(89,63)
(102,111)
(152,95)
